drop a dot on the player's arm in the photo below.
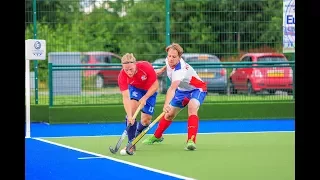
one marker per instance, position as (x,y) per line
(123,85)
(152,77)
(177,77)
(154,87)
(171,91)
(126,103)
(161,70)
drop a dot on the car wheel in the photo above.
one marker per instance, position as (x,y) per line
(290,92)
(99,81)
(231,88)
(250,88)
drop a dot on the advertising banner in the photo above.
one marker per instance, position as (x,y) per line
(288,26)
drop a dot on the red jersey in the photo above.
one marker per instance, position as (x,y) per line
(143,79)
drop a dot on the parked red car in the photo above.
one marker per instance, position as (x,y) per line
(254,79)
(98,57)
(102,77)
(109,76)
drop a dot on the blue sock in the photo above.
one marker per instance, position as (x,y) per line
(132,130)
(140,128)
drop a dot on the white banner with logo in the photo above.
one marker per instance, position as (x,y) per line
(289,26)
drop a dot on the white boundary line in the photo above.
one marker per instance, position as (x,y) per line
(91,157)
(117,160)
(173,134)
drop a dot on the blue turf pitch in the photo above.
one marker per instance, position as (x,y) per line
(47,161)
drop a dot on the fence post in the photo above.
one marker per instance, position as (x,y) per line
(167,33)
(35,62)
(50,85)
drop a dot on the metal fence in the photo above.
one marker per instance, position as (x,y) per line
(69,84)
(225,28)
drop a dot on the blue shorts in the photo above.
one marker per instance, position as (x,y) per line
(136,94)
(181,98)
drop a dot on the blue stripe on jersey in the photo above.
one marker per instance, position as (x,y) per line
(178,66)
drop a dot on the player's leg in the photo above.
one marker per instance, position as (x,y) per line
(164,123)
(197,98)
(177,103)
(132,129)
(135,96)
(146,114)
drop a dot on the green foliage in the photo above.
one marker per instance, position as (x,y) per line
(144,30)
(222,27)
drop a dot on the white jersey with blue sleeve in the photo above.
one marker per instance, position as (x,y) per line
(187,75)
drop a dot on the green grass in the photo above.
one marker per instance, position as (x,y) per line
(250,156)
(117,99)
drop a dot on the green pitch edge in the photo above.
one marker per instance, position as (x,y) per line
(115,113)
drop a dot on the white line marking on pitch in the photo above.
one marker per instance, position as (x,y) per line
(91,157)
(173,134)
(117,160)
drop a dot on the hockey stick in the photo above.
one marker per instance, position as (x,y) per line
(129,146)
(124,133)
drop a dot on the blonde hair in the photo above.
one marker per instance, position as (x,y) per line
(175,46)
(128,58)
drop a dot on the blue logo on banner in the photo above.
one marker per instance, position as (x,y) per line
(37,45)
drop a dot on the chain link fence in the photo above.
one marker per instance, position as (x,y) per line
(100,32)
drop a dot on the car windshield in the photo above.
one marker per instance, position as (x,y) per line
(103,58)
(196,59)
(159,61)
(85,59)
(99,58)
(271,59)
